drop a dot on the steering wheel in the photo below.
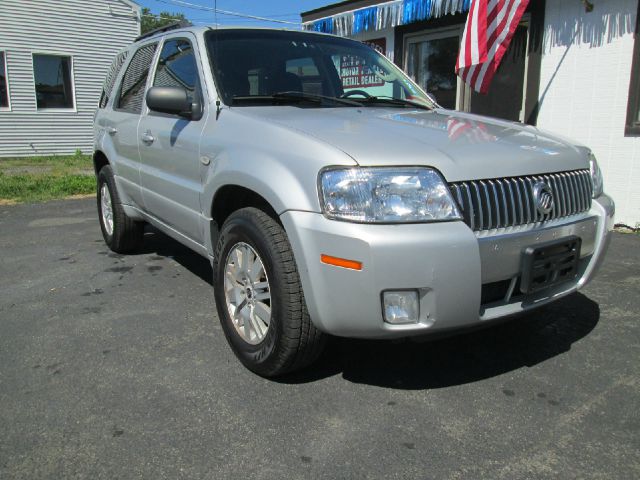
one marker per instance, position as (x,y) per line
(355,92)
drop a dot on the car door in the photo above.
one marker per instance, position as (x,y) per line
(170,144)
(121,125)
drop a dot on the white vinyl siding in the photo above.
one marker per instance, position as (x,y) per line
(584,89)
(91,32)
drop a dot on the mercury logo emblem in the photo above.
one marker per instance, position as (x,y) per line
(543,197)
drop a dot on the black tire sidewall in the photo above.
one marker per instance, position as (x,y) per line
(106,177)
(260,357)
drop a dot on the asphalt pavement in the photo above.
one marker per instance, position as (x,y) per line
(115,367)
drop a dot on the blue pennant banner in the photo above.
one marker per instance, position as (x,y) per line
(325,25)
(416,10)
(365,20)
(387,15)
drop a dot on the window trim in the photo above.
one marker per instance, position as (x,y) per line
(632,121)
(71,76)
(6,79)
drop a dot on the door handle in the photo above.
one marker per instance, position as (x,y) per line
(111,130)
(148,139)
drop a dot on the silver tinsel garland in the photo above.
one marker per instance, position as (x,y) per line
(388,15)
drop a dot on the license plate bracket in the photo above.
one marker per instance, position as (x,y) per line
(548,264)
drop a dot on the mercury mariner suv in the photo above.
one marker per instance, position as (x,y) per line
(332,195)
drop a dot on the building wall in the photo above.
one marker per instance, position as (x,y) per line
(584,88)
(92,32)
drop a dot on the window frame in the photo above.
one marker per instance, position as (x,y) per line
(632,122)
(72,78)
(6,79)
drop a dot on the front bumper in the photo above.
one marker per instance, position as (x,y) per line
(446,262)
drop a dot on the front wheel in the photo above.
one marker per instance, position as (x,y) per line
(259,297)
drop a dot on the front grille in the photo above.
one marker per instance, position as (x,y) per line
(509,202)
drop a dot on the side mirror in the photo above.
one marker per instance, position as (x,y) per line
(173,100)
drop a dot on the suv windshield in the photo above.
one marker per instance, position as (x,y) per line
(264,67)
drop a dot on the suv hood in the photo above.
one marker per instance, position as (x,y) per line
(462,146)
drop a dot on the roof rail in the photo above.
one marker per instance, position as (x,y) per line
(166,28)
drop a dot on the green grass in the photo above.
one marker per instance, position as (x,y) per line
(37,179)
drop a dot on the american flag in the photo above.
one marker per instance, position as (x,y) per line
(487,35)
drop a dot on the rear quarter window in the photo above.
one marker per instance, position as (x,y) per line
(135,79)
(112,75)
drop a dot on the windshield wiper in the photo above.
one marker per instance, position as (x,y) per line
(401,102)
(295,97)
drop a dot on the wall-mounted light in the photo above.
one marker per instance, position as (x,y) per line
(588,6)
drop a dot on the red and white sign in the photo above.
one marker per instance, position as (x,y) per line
(354,71)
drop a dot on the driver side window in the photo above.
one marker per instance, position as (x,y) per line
(177,66)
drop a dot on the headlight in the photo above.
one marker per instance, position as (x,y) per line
(596,176)
(386,195)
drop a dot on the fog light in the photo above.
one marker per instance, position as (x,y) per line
(401,307)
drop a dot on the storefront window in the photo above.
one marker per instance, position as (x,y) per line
(505,97)
(431,63)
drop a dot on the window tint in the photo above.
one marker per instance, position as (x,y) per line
(52,75)
(177,66)
(135,79)
(110,80)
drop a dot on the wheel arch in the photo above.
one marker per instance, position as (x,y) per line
(232,197)
(99,161)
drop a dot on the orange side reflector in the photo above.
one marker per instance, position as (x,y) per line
(341,262)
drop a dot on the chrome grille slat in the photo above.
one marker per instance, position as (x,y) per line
(576,188)
(472,214)
(495,197)
(558,188)
(508,202)
(481,215)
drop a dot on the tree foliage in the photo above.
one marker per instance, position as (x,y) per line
(151,22)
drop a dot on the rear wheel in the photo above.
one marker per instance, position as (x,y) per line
(259,298)
(120,233)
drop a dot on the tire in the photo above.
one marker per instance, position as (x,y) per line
(122,234)
(291,341)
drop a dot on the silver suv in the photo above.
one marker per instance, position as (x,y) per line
(332,195)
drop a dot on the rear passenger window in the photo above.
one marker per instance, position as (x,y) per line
(135,79)
(110,80)
(177,66)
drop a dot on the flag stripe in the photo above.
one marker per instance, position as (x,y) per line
(488,31)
